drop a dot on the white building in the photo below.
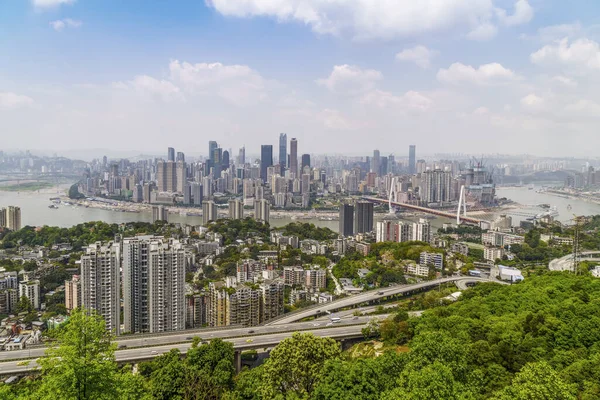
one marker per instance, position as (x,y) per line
(416,269)
(31,290)
(435,259)
(510,274)
(493,253)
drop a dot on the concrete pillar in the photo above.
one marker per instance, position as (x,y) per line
(237,360)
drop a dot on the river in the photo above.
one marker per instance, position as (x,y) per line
(35,211)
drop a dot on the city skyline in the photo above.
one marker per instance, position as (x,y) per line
(512,76)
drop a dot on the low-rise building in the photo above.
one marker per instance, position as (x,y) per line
(434,259)
(416,269)
(510,274)
(493,253)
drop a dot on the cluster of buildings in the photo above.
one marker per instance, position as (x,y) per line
(390,229)
(10,218)
(13,287)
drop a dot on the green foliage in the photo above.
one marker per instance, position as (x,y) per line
(308,231)
(74,192)
(24,305)
(82,366)
(294,366)
(537,381)
(240,229)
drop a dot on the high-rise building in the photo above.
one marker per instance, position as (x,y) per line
(305,183)
(9,292)
(272,300)
(171,154)
(101,283)
(73,293)
(261,210)
(209,212)
(187,194)
(13,218)
(180,156)
(181,176)
(436,186)
(305,161)
(197,193)
(376,162)
(421,231)
(3,222)
(153,284)
(212,146)
(346,220)
(363,217)
(159,213)
(236,209)
(412,159)
(242,156)
(266,160)
(31,290)
(283,152)
(225,162)
(294,157)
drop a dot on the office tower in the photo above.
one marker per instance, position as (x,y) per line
(266,160)
(180,156)
(73,293)
(217,162)
(305,161)
(436,186)
(171,154)
(294,157)
(225,162)
(197,193)
(101,283)
(376,162)
(305,183)
(187,194)
(242,156)
(181,176)
(383,166)
(161,176)
(346,220)
(421,231)
(363,218)
(391,164)
(412,159)
(209,212)
(159,213)
(236,209)
(261,210)
(283,152)
(212,146)
(31,290)
(153,284)
(13,218)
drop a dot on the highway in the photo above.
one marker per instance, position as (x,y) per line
(367,297)
(336,331)
(186,336)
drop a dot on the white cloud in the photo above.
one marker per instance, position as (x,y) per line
(564,81)
(483,32)
(147,85)
(481,111)
(237,84)
(350,79)
(419,55)
(486,74)
(532,102)
(367,19)
(583,108)
(411,101)
(335,120)
(47,4)
(582,53)
(556,32)
(9,100)
(61,24)
(523,14)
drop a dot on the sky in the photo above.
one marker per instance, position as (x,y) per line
(342,76)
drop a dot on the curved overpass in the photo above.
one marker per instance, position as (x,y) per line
(566,263)
(369,296)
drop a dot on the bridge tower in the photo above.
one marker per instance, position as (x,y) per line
(392,195)
(461,202)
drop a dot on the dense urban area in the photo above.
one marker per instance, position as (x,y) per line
(426,289)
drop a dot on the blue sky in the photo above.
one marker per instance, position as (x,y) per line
(344,76)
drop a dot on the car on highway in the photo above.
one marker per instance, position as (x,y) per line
(317,324)
(122,346)
(251,331)
(249,340)
(379,294)
(154,352)
(189,338)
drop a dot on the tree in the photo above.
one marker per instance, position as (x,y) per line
(24,305)
(537,381)
(294,366)
(82,366)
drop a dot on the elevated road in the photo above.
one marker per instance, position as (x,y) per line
(336,331)
(368,297)
(567,262)
(439,213)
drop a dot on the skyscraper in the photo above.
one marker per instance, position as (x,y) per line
(236,209)
(13,218)
(212,145)
(101,283)
(225,162)
(363,218)
(436,186)
(159,213)
(73,293)
(209,212)
(242,156)
(171,176)
(153,284)
(283,152)
(181,176)
(294,157)
(180,156)
(266,160)
(346,220)
(197,193)
(412,159)
(376,162)
(305,161)
(171,154)
(261,210)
